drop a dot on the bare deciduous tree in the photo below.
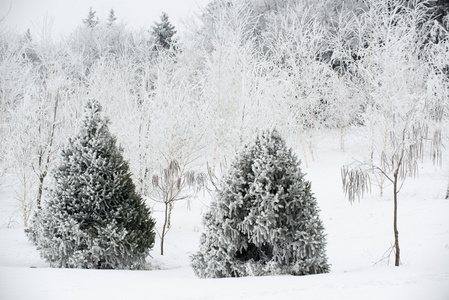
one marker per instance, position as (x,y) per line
(175,183)
(398,161)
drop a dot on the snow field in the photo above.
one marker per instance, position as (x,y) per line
(358,235)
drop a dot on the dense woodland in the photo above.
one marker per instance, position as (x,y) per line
(241,67)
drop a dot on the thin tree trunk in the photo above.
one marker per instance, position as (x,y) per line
(40,190)
(164,227)
(141,165)
(395,222)
(43,174)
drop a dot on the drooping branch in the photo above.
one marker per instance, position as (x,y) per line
(175,183)
(397,162)
(356,182)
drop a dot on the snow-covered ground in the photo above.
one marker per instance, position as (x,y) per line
(358,237)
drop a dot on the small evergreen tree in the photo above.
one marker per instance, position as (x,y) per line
(92,20)
(93,218)
(28,37)
(163,32)
(111,18)
(264,219)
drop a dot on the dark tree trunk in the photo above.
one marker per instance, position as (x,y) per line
(40,190)
(395,222)
(164,228)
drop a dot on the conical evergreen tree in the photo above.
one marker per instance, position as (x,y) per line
(164,32)
(92,20)
(94,217)
(111,18)
(264,219)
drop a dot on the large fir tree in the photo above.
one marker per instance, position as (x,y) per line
(264,219)
(94,217)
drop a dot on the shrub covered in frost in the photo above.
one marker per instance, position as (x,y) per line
(93,217)
(264,219)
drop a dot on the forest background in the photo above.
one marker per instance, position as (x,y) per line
(378,68)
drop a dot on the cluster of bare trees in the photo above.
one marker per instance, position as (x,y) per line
(298,65)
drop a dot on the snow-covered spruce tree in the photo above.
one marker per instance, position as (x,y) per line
(164,32)
(264,219)
(93,218)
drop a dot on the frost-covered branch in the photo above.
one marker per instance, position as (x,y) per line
(175,183)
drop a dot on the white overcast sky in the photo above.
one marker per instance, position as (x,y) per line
(66,15)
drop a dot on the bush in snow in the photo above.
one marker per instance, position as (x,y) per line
(264,219)
(93,218)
